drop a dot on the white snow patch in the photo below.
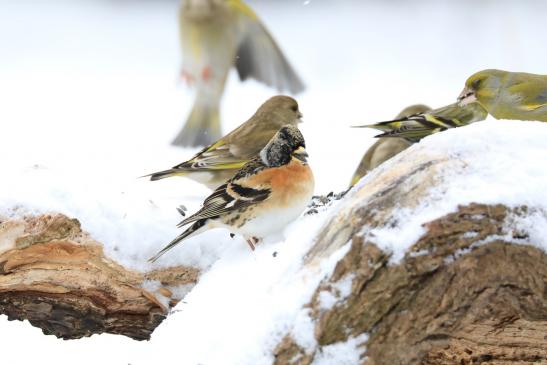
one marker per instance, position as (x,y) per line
(336,293)
(342,353)
(249,301)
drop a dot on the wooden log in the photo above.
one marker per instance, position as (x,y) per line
(58,278)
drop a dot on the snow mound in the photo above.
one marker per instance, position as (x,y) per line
(498,162)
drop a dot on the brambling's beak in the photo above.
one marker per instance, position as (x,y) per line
(301,154)
(467,96)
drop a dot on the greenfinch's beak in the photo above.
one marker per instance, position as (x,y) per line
(467,96)
(299,115)
(301,154)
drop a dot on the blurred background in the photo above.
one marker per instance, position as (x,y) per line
(99,79)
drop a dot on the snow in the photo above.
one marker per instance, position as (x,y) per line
(498,162)
(90,102)
(342,353)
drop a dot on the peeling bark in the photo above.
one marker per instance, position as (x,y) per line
(58,278)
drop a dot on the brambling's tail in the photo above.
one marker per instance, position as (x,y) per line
(193,229)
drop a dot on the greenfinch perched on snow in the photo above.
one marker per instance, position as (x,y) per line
(218,162)
(508,95)
(216,35)
(385,148)
(417,126)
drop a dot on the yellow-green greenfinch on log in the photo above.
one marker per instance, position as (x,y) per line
(218,162)
(216,35)
(385,148)
(417,126)
(508,95)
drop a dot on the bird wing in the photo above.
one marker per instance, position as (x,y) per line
(215,157)
(412,128)
(417,126)
(533,94)
(258,55)
(233,195)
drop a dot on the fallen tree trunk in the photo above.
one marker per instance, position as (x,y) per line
(464,293)
(57,277)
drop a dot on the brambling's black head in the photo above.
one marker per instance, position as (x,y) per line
(287,143)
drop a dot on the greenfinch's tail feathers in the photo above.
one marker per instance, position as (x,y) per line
(166,173)
(193,229)
(202,127)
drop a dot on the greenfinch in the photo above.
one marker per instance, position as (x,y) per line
(417,126)
(216,163)
(385,148)
(508,95)
(216,35)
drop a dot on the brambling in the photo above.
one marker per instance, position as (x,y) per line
(385,148)
(214,36)
(417,126)
(508,95)
(218,162)
(268,193)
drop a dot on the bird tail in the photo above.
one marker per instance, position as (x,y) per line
(413,128)
(193,229)
(166,173)
(202,126)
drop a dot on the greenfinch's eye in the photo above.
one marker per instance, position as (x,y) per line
(475,84)
(294,108)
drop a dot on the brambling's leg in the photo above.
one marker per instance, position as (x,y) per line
(251,244)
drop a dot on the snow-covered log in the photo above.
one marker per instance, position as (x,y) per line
(437,256)
(57,277)
(465,287)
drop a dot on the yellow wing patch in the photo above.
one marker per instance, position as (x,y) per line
(227,165)
(240,7)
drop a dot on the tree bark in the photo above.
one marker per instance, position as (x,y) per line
(57,277)
(464,293)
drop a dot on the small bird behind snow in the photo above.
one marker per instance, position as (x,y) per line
(385,148)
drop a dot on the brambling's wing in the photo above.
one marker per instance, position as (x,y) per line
(232,196)
(258,55)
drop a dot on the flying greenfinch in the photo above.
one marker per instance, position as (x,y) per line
(216,163)
(216,35)
(508,95)
(417,126)
(385,148)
